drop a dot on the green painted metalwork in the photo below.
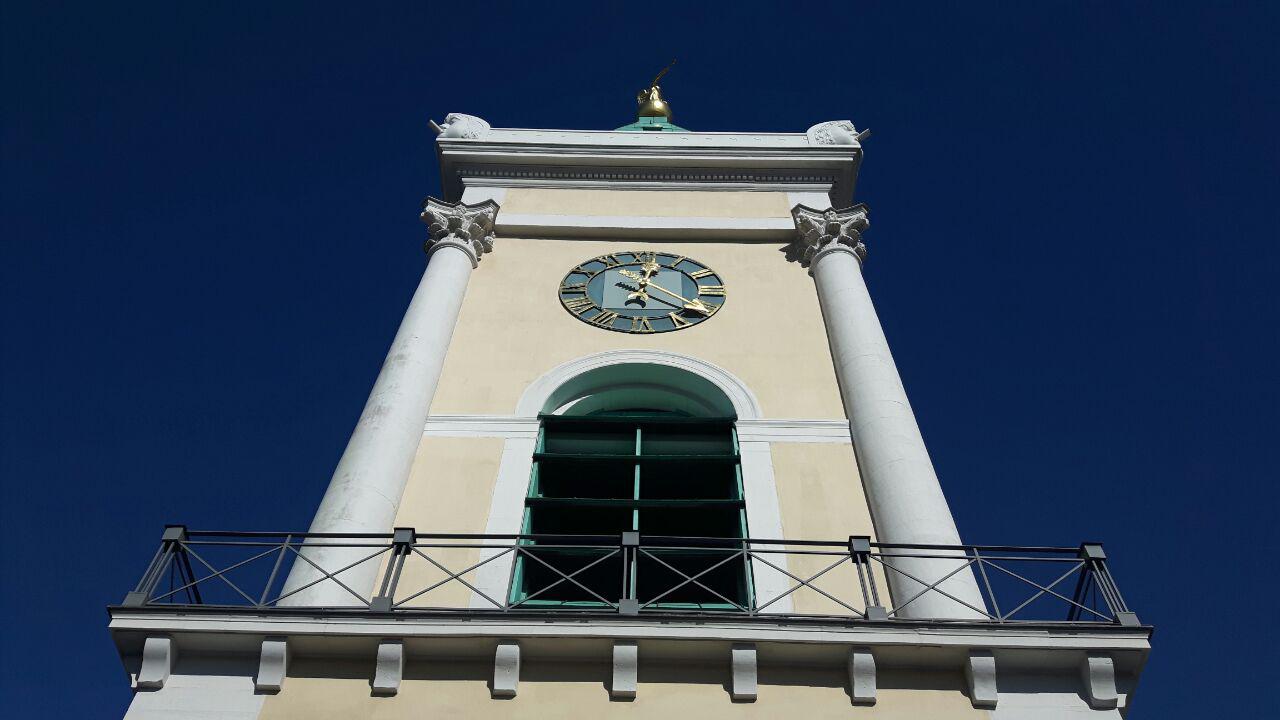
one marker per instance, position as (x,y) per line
(691,465)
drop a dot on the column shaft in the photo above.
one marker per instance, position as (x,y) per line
(365,491)
(907,504)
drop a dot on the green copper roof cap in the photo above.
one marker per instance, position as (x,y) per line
(651,124)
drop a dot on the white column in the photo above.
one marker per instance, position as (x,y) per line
(365,491)
(902,489)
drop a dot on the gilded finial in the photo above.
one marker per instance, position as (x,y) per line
(650,102)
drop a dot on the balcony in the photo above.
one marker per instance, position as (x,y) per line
(632,575)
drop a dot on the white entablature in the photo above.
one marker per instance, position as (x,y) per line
(824,159)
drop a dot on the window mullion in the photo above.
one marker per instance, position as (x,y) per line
(635,490)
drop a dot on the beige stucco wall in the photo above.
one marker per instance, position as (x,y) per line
(571,691)
(449,491)
(513,329)
(821,498)
(647,203)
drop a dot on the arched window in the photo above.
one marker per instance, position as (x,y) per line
(634,454)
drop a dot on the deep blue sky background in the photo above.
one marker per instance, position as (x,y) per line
(210,231)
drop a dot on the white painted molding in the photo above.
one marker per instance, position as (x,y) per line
(798,431)
(959,637)
(1098,673)
(980,675)
(506,669)
(540,391)
(862,676)
(502,426)
(626,669)
(604,227)
(764,521)
(273,664)
(513,157)
(389,668)
(760,430)
(159,654)
(743,662)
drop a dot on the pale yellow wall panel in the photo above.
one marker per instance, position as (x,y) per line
(647,203)
(513,329)
(449,491)
(821,498)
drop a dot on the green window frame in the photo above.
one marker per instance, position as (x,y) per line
(656,473)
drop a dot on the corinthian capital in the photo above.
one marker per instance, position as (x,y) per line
(466,227)
(822,231)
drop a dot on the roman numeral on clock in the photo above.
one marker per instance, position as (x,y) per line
(711,290)
(678,321)
(604,319)
(641,325)
(577,288)
(701,274)
(577,306)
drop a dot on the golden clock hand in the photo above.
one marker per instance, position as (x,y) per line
(695,305)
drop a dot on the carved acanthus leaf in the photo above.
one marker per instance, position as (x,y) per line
(817,230)
(469,227)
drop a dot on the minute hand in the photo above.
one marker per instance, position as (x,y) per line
(696,305)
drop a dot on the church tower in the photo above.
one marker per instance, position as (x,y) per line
(639,449)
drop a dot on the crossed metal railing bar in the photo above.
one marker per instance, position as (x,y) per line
(676,575)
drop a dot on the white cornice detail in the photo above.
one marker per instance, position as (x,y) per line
(255,626)
(763,430)
(502,426)
(601,227)
(512,158)
(614,138)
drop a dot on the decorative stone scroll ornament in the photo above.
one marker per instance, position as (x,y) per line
(835,132)
(458,125)
(466,227)
(822,231)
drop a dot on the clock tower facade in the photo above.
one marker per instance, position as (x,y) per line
(638,448)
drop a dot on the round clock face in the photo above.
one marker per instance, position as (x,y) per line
(641,291)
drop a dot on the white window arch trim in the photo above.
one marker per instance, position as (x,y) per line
(570,384)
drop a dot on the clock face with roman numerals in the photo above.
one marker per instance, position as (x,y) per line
(642,291)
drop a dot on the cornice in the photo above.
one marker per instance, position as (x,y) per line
(563,158)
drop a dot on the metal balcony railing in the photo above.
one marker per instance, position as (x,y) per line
(630,574)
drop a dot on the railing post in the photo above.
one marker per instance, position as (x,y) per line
(173,534)
(401,545)
(860,552)
(629,604)
(1096,561)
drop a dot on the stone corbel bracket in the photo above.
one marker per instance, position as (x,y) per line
(1098,673)
(159,655)
(862,676)
(466,227)
(389,668)
(506,669)
(980,675)
(273,665)
(743,665)
(626,669)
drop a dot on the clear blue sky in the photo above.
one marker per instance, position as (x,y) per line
(210,231)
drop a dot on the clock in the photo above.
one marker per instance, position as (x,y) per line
(642,291)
